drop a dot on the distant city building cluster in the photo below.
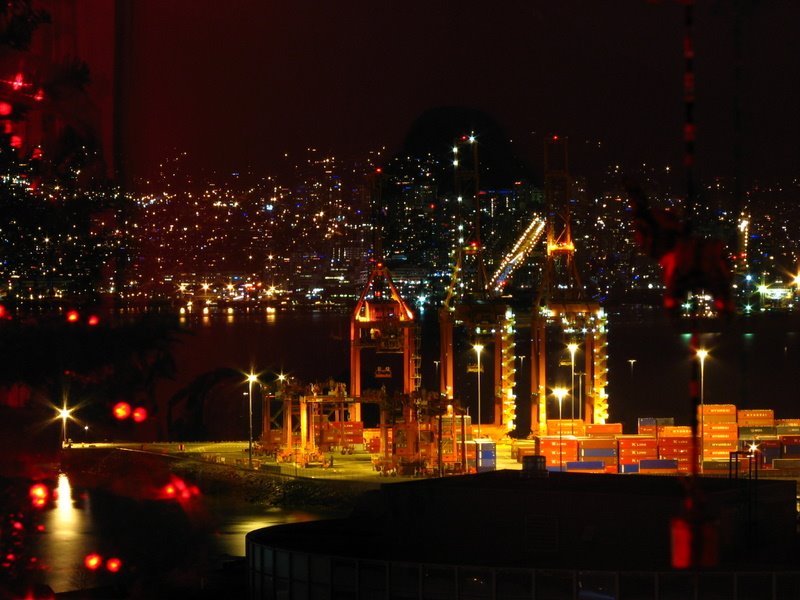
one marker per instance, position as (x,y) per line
(308,239)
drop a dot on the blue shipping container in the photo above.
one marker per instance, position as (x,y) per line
(792,450)
(659,463)
(599,452)
(585,465)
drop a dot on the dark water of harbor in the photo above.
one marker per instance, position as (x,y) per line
(752,363)
(163,545)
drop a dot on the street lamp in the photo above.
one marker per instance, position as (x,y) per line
(478,348)
(559,393)
(251,378)
(572,347)
(63,414)
(701,354)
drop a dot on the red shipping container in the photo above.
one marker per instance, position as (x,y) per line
(637,442)
(676,442)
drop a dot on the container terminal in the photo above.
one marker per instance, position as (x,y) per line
(668,511)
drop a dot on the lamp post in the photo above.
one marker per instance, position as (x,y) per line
(251,378)
(478,348)
(559,393)
(572,347)
(580,375)
(701,354)
(64,413)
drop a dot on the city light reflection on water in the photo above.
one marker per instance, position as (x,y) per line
(66,539)
(76,525)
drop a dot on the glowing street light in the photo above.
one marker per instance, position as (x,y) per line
(701,354)
(63,414)
(572,347)
(251,378)
(559,393)
(478,348)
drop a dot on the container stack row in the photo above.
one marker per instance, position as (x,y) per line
(661,447)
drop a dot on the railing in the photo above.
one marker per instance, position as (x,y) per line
(276,573)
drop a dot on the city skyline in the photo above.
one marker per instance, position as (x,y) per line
(329,208)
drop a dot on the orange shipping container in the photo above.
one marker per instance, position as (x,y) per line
(566,427)
(603,428)
(721,444)
(658,471)
(719,419)
(730,428)
(756,413)
(717,409)
(675,431)
(716,454)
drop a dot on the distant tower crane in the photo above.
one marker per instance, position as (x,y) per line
(561,312)
(471,303)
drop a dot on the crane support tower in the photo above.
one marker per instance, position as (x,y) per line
(471,303)
(562,315)
(384,323)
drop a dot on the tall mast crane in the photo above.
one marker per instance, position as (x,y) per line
(561,309)
(471,304)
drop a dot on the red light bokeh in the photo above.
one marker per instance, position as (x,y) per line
(39,494)
(93,561)
(139,414)
(114,565)
(121,410)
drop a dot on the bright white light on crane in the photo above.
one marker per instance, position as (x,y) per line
(455,163)
(471,139)
(455,149)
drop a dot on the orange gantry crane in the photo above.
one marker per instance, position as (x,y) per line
(382,323)
(562,314)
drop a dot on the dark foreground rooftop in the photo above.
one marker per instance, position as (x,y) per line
(565,520)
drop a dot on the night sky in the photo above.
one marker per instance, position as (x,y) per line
(239,83)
